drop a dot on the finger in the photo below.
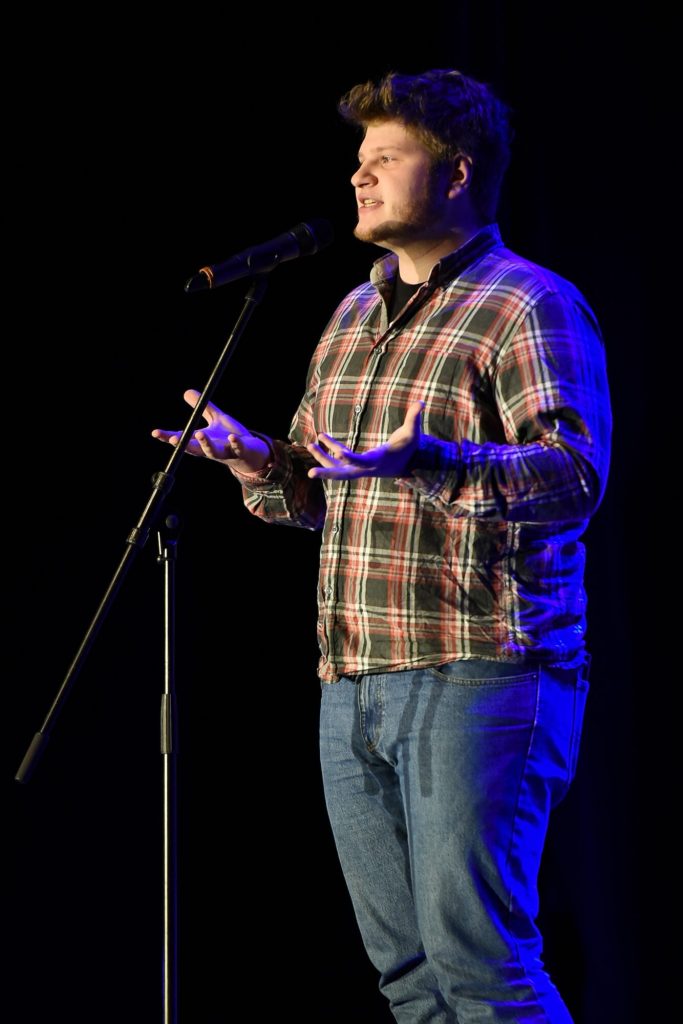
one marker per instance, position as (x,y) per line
(235,445)
(323,457)
(412,423)
(217,448)
(336,472)
(332,472)
(210,412)
(336,449)
(207,445)
(170,436)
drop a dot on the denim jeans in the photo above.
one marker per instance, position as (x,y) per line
(439,783)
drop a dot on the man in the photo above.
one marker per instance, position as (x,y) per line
(452,443)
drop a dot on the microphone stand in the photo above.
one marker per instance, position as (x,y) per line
(167,541)
(135,541)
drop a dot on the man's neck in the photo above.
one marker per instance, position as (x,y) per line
(416,261)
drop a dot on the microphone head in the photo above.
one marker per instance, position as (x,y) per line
(314,235)
(301,240)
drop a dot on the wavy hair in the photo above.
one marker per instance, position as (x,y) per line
(451,114)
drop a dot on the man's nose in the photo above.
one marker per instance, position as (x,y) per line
(363,176)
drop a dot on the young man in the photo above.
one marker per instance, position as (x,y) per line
(451,444)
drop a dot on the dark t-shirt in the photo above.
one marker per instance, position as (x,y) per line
(402,293)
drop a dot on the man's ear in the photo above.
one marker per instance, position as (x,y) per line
(461,176)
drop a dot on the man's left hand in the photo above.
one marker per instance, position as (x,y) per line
(337,462)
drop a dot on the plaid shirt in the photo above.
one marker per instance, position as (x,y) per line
(475,552)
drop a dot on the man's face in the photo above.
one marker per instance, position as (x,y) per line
(401,196)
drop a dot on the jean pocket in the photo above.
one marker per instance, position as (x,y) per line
(485,672)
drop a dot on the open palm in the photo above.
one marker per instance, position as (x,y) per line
(337,462)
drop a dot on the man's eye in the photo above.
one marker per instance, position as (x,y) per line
(386,159)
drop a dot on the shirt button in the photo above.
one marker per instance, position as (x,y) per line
(335,529)
(358,410)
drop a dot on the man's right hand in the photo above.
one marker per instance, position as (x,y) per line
(224,439)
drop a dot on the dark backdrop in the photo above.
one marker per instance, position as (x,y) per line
(161,143)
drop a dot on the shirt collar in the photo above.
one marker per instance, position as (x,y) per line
(487,238)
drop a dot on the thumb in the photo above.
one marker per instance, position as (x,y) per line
(414,413)
(191,397)
(210,412)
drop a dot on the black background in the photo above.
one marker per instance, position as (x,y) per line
(157,144)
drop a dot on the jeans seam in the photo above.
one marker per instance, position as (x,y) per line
(513,835)
(580,690)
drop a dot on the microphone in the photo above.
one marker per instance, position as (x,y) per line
(302,240)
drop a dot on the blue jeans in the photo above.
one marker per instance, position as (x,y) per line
(439,784)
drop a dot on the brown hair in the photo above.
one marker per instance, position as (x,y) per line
(451,114)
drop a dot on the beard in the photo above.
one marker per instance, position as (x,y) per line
(391,232)
(413,219)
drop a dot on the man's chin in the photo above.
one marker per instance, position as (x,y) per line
(389,234)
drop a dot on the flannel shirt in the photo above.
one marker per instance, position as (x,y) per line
(475,551)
